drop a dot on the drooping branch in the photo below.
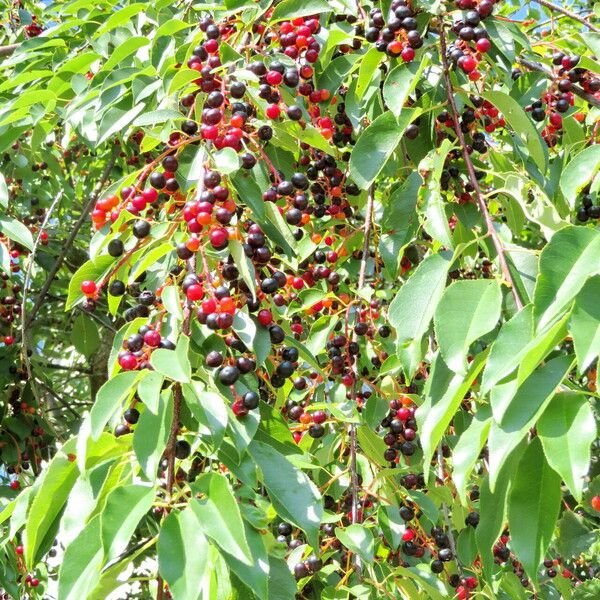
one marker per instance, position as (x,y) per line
(500,251)
(578,91)
(353,443)
(568,13)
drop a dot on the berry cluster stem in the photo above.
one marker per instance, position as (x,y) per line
(471,172)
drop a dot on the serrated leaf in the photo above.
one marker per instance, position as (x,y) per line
(413,308)
(456,328)
(567,429)
(533,505)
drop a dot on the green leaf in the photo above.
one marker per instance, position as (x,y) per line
(156,117)
(256,576)
(93,270)
(533,505)
(521,125)
(209,409)
(149,389)
(565,265)
(80,566)
(292,493)
(84,335)
(401,81)
(369,62)
(182,554)
(16,231)
(522,405)
(371,444)
(376,144)
(399,223)
(431,202)
(457,328)
(357,539)
(148,260)
(492,504)
(120,17)
(444,391)
(392,525)
(467,449)
(152,433)
(226,161)
(567,429)
(109,399)
(220,516)
(3,191)
(174,364)
(292,9)
(118,526)
(574,537)
(578,172)
(413,307)
(243,264)
(584,324)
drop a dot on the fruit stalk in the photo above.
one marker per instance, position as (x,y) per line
(472,176)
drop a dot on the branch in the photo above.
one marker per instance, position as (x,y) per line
(567,13)
(26,283)
(8,50)
(353,443)
(540,68)
(472,178)
(69,242)
(448,523)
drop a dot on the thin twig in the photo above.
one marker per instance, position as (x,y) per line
(8,50)
(26,283)
(441,477)
(472,177)
(567,13)
(578,91)
(69,241)
(353,444)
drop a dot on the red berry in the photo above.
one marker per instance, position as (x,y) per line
(274,77)
(408,535)
(407,54)
(209,306)
(319,416)
(35,582)
(128,361)
(152,338)
(265,317)
(219,237)
(471,582)
(273,111)
(211,46)
(403,414)
(15,485)
(462,593)
(596,503)
(238,408)
(9,340)
(89,287)
(467,63)
(556,120)
(195,292)
(19,550)
(483,45)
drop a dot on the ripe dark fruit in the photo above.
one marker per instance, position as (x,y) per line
(121,430)
(115,247)
(284,529)
(116,288)
(445,554)
(251,400)
(182,449)
(141,229)
(214,359)
(412,131)
(229,375)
